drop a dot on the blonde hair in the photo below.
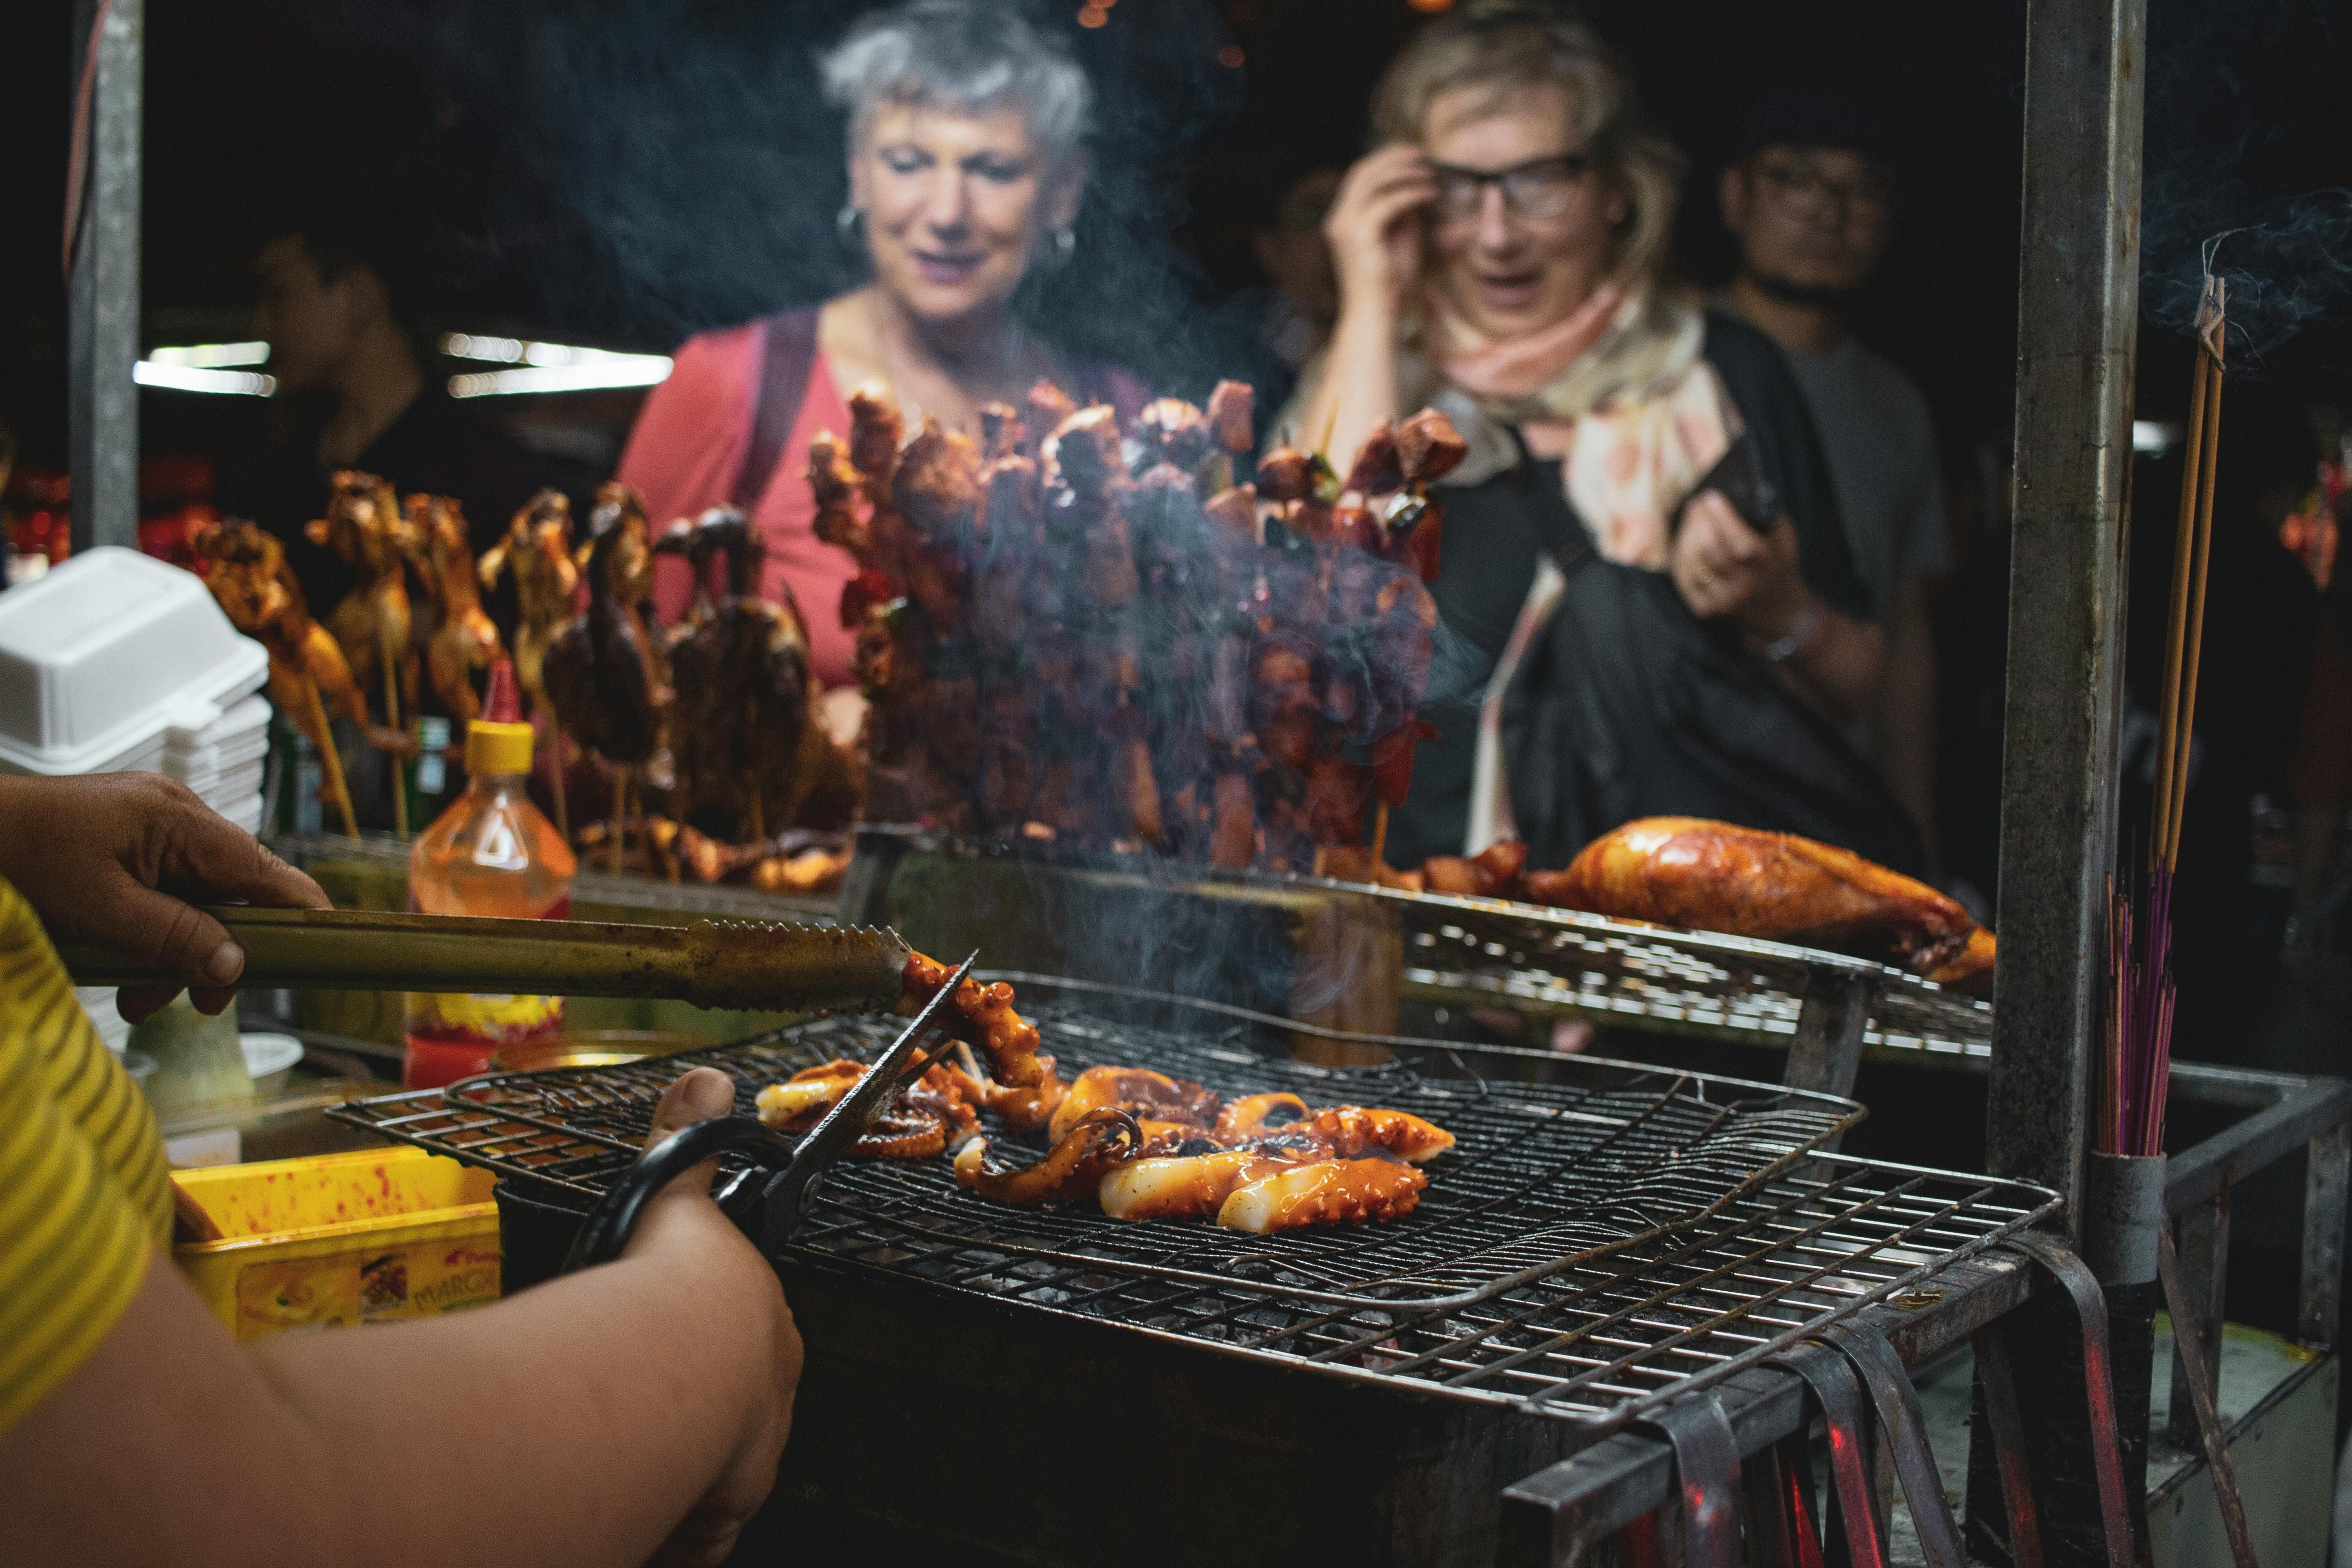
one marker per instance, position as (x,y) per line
(1496,49)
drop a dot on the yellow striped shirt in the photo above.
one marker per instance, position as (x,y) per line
(85,1196)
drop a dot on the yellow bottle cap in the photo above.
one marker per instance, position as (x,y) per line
(492,747)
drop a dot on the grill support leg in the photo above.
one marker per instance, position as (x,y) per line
(2204,1254)
(2080,1526)
(1997,1384)
(1827,1050)
(2323,1236)
(1854,1535)
(1706,1478)
(1906,1428)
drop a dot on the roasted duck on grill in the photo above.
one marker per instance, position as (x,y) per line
(1712,876)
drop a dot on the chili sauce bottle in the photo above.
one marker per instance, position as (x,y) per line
(491,853)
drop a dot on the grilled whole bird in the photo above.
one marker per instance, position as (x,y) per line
(372,623)
(608,673)
(1714,875)
(463,639)
(537,550)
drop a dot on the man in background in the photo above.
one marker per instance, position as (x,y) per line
(360,387)
(1811,198)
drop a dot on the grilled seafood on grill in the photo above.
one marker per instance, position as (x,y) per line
(983,1016)
(1183,1186)
(1138,1091)
(1098,1141)
(1326,1191)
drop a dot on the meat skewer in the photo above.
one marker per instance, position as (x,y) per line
(607,671)
(465,639)
(245,567)
(537,550)
(374,623)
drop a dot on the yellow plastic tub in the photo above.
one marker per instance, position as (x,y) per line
(336,1239)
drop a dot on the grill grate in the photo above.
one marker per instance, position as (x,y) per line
(1651,977)
(1588,1246)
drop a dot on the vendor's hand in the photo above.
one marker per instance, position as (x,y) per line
(1375,226)
(118,861)
(683,1216)
(1722,566)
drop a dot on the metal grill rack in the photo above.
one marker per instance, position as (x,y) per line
(1471,951)
(1655,978)
(1589,1249)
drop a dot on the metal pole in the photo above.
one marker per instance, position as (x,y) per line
(2077,311)
(102,289)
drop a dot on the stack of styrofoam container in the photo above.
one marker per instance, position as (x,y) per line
(115,662)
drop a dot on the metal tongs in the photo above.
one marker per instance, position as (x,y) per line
(796,1166)
(711,963)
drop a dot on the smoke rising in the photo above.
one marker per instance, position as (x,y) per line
(2242,160)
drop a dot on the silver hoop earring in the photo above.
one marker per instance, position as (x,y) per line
(1065,244)
(849,224)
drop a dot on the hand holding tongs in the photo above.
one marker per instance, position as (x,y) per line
(711,963)
(794,1166)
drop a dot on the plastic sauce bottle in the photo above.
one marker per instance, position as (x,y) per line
(492,853)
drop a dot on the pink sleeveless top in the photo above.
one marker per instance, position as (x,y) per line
(688,446)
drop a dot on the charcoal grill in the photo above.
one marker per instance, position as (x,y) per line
(1594,1244)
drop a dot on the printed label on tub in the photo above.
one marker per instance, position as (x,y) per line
(419,1279)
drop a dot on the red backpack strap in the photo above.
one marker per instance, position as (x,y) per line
(784,384)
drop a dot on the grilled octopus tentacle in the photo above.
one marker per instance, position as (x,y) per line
(1023,1110)
(1102,1140)
(1327,1192)
(1136,1090)
(1350,1131)
(982,1014)
(1253,1111)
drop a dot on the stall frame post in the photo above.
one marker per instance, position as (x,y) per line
(2078,303)
(102,278)
(2077,320)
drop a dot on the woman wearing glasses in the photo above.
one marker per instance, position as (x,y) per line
(1632,644)
(967,166)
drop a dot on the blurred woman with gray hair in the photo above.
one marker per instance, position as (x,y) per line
(967,164)
(1640,635)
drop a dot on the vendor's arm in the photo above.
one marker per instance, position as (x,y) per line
(1374,231)
(577,1422)
(1725,569)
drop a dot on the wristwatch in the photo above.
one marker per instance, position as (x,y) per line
(1799,635)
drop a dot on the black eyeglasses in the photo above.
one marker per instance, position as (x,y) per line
(1538,189)
(1804,189)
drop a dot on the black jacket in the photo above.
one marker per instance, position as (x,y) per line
(1626,705)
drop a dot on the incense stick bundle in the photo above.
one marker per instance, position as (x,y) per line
(2138,1055)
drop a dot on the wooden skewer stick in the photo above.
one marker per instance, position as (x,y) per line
(2185,731)
(391,721)
(331,762)
(620,814)
(1380,836)
(555,742)
(2161,826)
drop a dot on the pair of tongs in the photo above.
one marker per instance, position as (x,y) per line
(762,964)
(791,1168)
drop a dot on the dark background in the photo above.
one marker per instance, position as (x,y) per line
(624,172)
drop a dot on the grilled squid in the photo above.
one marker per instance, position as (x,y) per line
(1182,1187)
(1138,1091)
(982,1014)
(1327,1192)
(796,1104)
(1253,1111)
(1024,1109)
(1350,1131)
(1100,1141)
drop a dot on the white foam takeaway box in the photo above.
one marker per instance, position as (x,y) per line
(103,656)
